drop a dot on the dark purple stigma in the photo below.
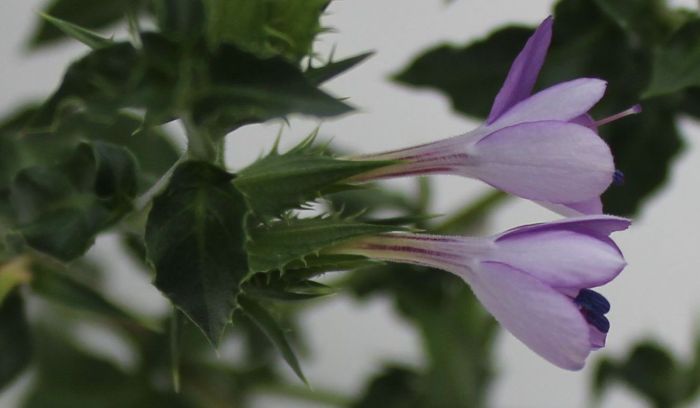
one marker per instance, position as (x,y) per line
(618,178)
(594,307)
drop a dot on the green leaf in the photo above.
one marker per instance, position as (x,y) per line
(394,387)
(274,246)
(61,208)
(85,36)
(115,77)
(264,320)
(117,175)
(470,76)
(195,240)
(224,89)
(246,88)
(152,148)
(319,75)
(647,21)
(311,266)
(676,64)
(278,289)
(649,370)
(266,27)
(15,341)
(644,148)
(84,13)
(280,182)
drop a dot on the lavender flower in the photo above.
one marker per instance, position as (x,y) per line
(535,280)
(542,147)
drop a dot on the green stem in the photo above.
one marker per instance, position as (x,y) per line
(221,152)
(199,143)
(302,393)
(471,214)
(175,350)
(141,202)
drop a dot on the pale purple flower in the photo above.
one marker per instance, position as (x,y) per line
(535,280)
(543,147)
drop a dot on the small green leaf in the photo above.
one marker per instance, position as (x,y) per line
(85,36)
(280,182)
(274,246)
(319,75)
(278,289)
(84,13)
(311,266)
(153,149)
(247,88)
(266,27)
(195,240)
(274,332)
(677,63)
(115,77)
(15,341)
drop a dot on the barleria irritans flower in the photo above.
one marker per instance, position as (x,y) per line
(542,146)
(535,280)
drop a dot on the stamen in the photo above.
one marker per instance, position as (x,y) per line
(618,178)
(593,308)
(598,321)
(631,111)
(593,301)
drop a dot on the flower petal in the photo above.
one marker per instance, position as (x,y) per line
(585,120)
(588,207)
(596,225)
(548,161)
(597,338)
(523,73)
(563,102)
(546,320)
(561,257)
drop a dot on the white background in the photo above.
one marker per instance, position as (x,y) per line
(655,297)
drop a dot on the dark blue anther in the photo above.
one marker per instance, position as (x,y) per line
(618,178)
(593,307)
(592,301)
(598,321)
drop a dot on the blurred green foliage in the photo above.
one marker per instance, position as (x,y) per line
(651,371)
(228,250)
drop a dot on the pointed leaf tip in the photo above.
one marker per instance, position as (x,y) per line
(85,36)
